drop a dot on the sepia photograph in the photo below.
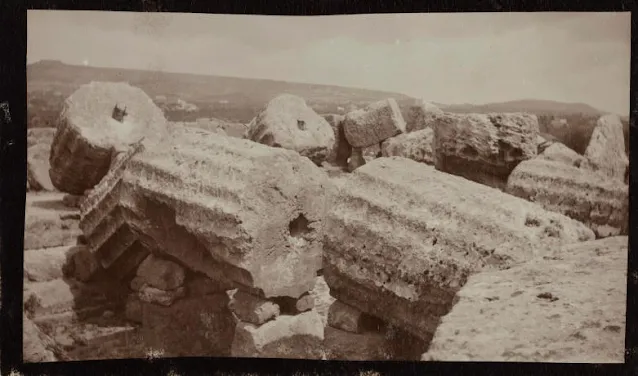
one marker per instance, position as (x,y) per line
(364,187)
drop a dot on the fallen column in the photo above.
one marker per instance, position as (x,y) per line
(92,125)
(484,148)
(226,207)
(589,197)
(401,239)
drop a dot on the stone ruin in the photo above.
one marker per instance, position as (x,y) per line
(217,241)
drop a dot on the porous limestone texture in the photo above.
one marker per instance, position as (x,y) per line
(421,115)
(373,124)
(87,135)
(606,150)
(416,145)
(230,208)
(567,307)
(561,153)
(589,197)
(287,122)
(401,238)
(484,147)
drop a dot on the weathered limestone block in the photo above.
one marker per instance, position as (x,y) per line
(38,168)
(401,238)
(554,309)
(59,296)
(606,149)
(421,116)
(561,153)
(591,198)
(46,264)
(252,309)
(149,294)
(287,122)
(416,145)
(194,326)
(37,347)
(289,337)
(305,303)
(341,150)
(45,223)
(374,124)
(229,208)
(87,134)
(160,273)
(484,148)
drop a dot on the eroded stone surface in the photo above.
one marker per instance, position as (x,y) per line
(416,145)
(606,150)
(401,238)
(553,309)
(292,337)
(87,134)
(591,198)
(38,168)
(160,273)
(229,208)
(373,124)
(46,264)
(561,153)
(421,115)
(287,122)
(484,147)
(37,347)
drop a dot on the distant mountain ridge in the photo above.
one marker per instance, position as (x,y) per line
(231,94)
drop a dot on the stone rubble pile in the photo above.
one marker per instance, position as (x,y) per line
(213,244)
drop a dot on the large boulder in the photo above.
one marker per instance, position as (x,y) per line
(87,133)
(558,308)
(401,238)
(606,150)
(591,198)
(484,147)
(229,208)
(415,145)
(341,150)
(287,122)
(421,116)
(38,167)
(373,124)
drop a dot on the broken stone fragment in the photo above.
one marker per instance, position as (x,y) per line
(161,273)
(421,115)
(597,201)
(415,145)
(252,309)
(288,337)
(484,148)
(287,122)
(401,238)
(86,133)
(374,124)
(305,303)
(204,201)
(606,150)
(38,168)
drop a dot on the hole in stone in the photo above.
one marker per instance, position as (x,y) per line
(299,226)
(301,125)
(531,221)
(119,113)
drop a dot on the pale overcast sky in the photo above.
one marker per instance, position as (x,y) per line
(448,58)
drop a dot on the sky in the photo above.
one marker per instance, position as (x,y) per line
(450,58)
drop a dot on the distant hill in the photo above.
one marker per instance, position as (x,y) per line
(535,106)
(240,99)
